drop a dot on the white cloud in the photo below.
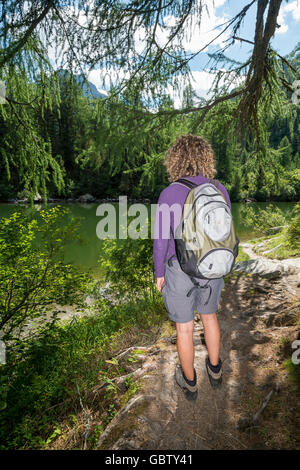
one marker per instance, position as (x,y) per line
(281,21)
(293,9)
(202,81)
(219,3)
(110,76)
(198,36)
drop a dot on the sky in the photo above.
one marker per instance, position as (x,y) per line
(284,40)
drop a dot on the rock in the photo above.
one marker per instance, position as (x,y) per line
(122,418)
(264,268)
(260,245)
(271,249)
(37,198)
(286,319)
(268,359)
(23,196)
(173,339)
(86,198)
(278,306)
(247,200)
(262,289)
(277,229)
(268,318)
(258,337)
(243,423)
(280,319)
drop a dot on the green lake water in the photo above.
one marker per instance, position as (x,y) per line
(86,255)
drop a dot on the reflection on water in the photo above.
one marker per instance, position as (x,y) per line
(85,255)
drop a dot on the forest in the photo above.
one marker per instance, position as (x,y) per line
(90,146)
(59,139)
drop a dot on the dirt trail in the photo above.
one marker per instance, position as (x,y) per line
(253,315)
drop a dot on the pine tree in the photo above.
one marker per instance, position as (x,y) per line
(286,149)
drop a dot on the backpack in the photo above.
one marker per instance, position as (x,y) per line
(206,243)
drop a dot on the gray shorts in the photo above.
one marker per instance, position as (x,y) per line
(182,297)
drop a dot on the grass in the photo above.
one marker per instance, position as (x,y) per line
(133,387)
(277,427)
(294,372)
(242,256)
(51,376)
(258,239)
(284,250)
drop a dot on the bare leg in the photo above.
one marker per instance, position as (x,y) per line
(185,347)
(212,336)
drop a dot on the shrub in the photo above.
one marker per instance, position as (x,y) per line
(33,274)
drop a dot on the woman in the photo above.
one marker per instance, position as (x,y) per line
(192,158)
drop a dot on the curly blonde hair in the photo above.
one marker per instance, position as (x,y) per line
(189,156)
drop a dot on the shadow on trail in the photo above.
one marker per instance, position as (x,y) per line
(210,421)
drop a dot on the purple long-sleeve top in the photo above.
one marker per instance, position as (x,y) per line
(173,194)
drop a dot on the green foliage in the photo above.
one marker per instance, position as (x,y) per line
(294,373)
(132,388)
(128,265)
(286,147)
(42,371)
(27,161)
(55,139)
(33,274)
(94,438)
(261,220)
(107,147)
(293,229)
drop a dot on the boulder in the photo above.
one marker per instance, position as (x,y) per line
(273,230)
(264,268)
(248,200)
(86,198)
(37,198)
(23,196)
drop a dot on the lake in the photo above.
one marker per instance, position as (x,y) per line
(86,255)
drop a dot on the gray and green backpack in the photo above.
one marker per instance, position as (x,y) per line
(206,243)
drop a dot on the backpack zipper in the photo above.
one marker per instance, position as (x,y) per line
(215,249)
(205,204)
(198,197)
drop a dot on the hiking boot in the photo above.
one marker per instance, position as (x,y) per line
(190,391)
(214,378)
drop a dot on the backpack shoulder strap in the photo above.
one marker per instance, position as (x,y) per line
(188,184)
